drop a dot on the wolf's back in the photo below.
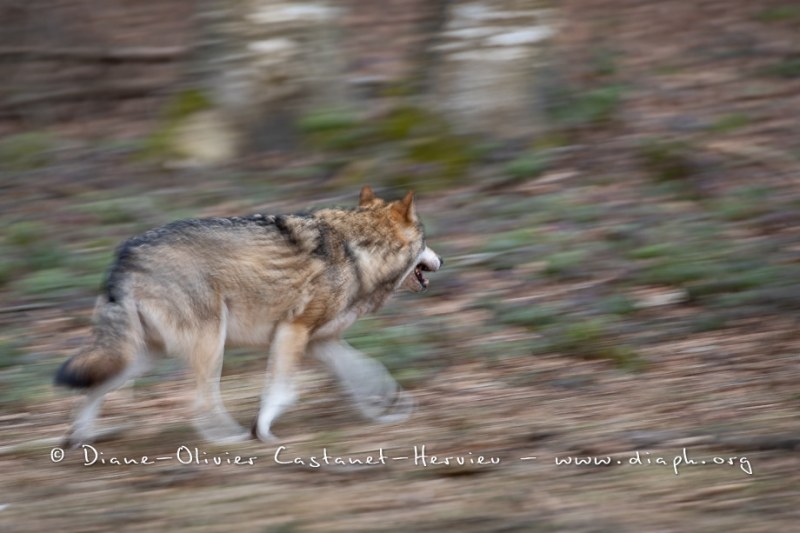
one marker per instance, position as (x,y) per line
(112,349)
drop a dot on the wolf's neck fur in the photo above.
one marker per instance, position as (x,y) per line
(379,260)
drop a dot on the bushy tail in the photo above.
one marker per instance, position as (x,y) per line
(112,349)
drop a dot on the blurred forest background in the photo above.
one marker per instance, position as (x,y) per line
(615,187)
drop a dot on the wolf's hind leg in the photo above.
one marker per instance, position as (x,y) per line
(370,386)
(288,347)
(82,431)
(212,420)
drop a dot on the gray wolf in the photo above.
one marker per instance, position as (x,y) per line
(287,283)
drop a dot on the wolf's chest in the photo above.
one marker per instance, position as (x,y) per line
(336,326)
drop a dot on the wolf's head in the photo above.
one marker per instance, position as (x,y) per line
(403,229)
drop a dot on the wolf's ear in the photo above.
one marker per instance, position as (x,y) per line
(366,197)
(406,208)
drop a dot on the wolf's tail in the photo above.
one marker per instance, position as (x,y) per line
(113,348)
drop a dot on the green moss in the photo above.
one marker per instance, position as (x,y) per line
(160,144)
(404,121)
(186,103)
(451,155)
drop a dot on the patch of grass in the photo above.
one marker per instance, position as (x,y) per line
(784,13)
(527,166)
(595,106)
(509,241)
(92,262)
(731,283)
(734,209)
(532,317)
(160,144)
(8,267)
(618,304)
(26,151)
(730,122)
(745,203)
(9,352)
(592,339)
(22,385)
(186,103)
(56,282)
(565,264)
(677,273)
(335,129)
(113,211)
(418,147)
(406,350)
(406,121)
(25,234)
(451,155)
(587,213)
(667,160)
(32,247)
(708,322)
(787,68)
(604,62)
(327,120)
(653,251)
(45,255)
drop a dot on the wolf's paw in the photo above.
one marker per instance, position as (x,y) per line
(401,408)
(78,437)
(220,431)
(267,436)
(72,442)
(230,439)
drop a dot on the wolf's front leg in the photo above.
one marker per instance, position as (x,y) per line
(288,346)
(370,386)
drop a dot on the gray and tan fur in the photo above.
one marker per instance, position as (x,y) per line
(289,283)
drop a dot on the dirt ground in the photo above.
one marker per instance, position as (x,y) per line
(630,307)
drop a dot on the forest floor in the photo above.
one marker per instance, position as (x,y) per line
(625,289)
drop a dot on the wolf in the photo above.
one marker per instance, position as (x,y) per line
(289,284)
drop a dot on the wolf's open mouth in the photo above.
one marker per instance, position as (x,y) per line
(418,271)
